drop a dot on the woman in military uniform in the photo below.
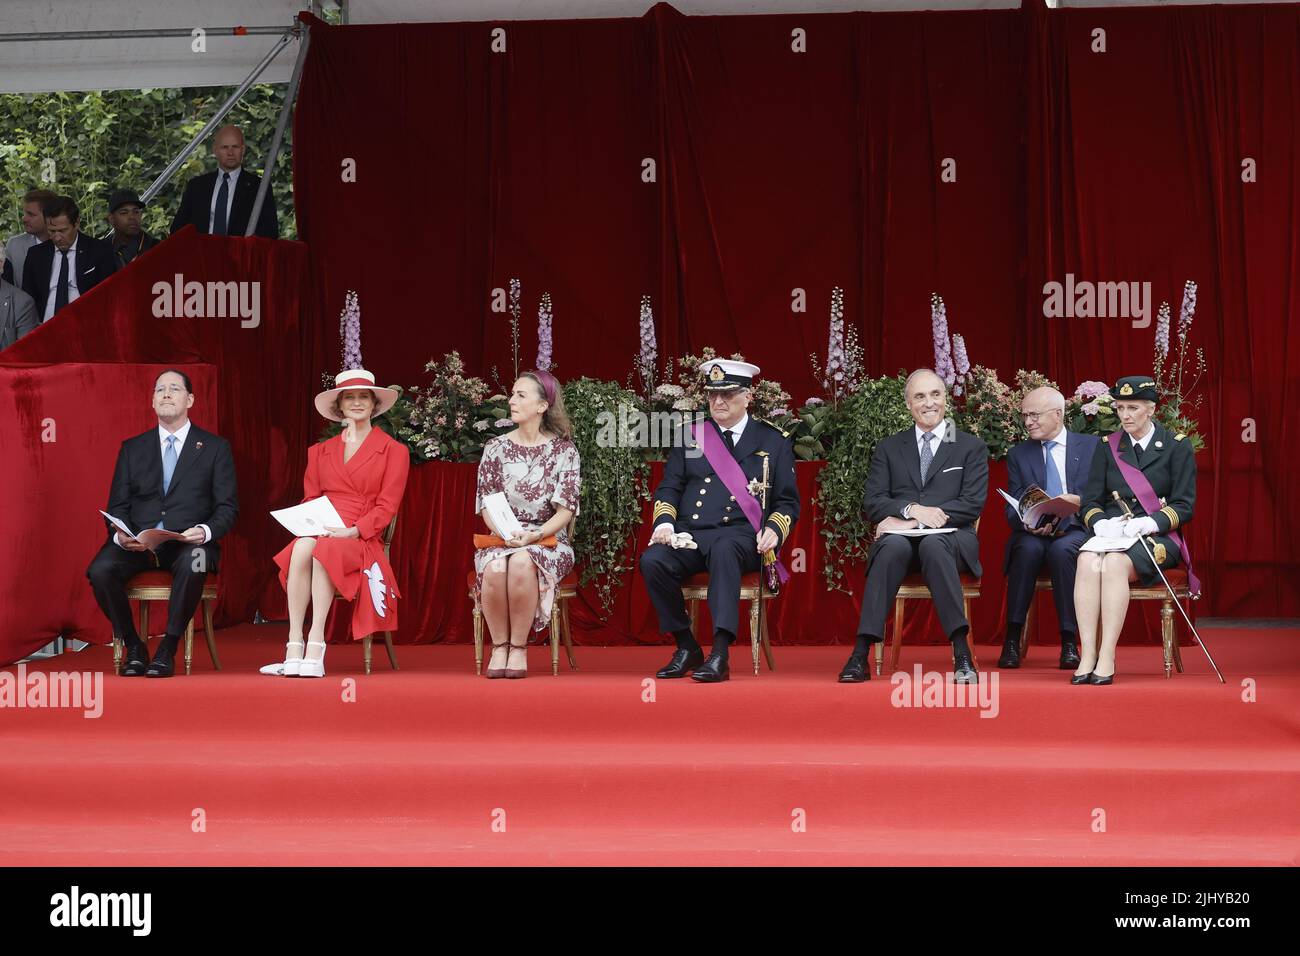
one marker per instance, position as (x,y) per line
(1101,589)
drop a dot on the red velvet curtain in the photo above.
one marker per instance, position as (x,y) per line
(74,389)
(777,171)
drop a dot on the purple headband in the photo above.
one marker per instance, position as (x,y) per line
(549,385)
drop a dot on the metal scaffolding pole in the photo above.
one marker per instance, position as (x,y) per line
(290,96)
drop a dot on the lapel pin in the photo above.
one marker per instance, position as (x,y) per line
(198,446)
(1160,444)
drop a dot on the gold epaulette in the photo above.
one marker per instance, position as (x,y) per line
(1180,436)
(784,433)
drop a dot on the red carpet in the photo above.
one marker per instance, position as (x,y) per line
(287,772)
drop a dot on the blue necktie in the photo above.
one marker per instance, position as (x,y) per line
(169,467)
(1053,476)
(927,454)
(223,198)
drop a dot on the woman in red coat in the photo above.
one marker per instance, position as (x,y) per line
(363,473)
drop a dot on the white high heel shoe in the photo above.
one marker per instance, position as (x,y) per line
(285,668)
(313,667)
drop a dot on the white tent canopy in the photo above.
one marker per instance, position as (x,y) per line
(117,62)
(114,61)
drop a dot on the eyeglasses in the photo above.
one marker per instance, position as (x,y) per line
(1035,416)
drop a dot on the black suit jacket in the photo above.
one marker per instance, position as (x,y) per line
(957,482)
(95,263)
(202,489)
(196,206)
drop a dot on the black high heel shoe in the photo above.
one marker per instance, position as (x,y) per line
(1081,678)
(1094,679)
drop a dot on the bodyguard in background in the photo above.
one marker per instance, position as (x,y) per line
(929,476)
(220,203)
(1058,461)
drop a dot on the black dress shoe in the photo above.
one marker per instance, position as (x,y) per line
(1010,655)
(684,661)
(1081,678)
(713,671)
(137,659)
(1095,678)
(856,670)
(1069,657)
(163,663)
(964,670)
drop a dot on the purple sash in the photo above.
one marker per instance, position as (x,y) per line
(1146,495)
(728,470)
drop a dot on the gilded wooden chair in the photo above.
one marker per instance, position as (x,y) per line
(914,588)
(156,585)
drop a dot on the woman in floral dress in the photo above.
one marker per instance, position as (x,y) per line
(536,467)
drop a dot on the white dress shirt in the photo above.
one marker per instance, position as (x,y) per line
(230,197)
(1145,439)
(73,292)
(180,434)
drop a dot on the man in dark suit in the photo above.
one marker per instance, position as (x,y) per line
(180,478)
(69,265)
(713,506)
(1058,461)
(129,240)
(929,476)
(220,203)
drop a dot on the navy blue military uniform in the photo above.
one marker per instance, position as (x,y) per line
(693,498)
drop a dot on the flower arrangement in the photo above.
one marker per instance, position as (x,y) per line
(350,332)
(648,353)
(1177,410)
(545,316)
(452,418)
(844,359)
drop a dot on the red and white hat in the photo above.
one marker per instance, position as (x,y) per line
(352,379)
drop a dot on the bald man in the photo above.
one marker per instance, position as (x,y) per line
(1057,460)
(929,476)
(220,203)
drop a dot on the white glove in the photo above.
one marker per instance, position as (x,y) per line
(1137,527)
(1109,528)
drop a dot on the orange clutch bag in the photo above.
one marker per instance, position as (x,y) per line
(482,541)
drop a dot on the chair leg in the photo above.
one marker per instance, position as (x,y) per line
(555,639)
(754,637)
(478,641)
(568,634)
(144,623)
(210,634)
(767,639)
(189,646)
(388,646)
(695,620)
(898,635)
(1178,651)
(880,655)
(117,654)
(1166,635)
(366,651)
(1027,629)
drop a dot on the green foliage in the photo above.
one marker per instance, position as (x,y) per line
(615,481)
(875,411)
(113,139)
